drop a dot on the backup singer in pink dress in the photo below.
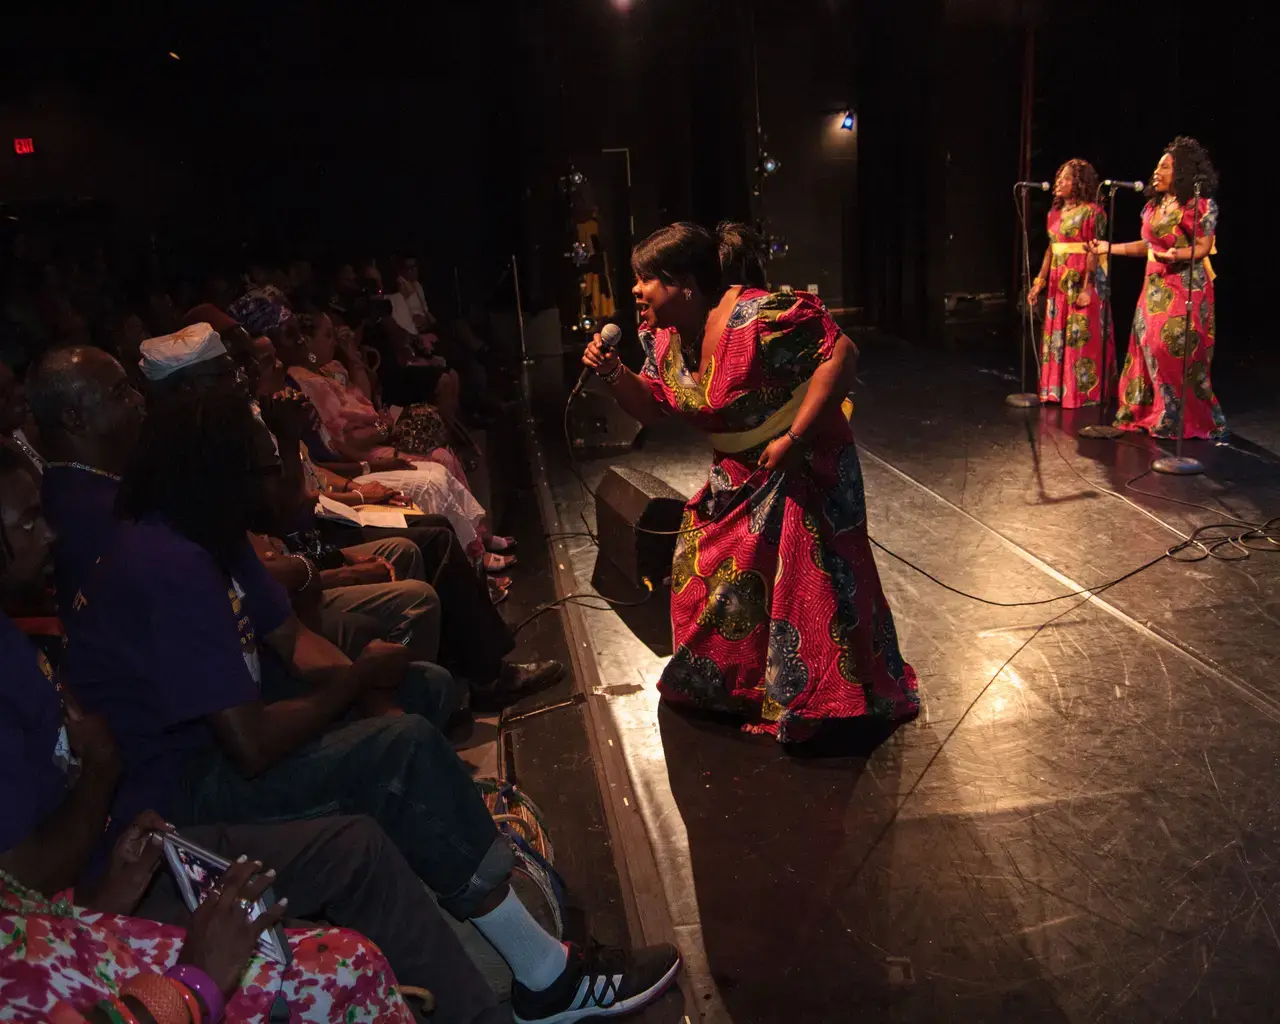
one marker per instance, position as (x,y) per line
(1150,386)
(776,606)
(1075,280)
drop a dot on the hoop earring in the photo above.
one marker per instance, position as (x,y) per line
(688,293)
(311,358)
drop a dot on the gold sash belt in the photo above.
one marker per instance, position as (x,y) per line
(775,426)
(1072,248)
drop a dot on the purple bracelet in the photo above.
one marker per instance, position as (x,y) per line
(202,985)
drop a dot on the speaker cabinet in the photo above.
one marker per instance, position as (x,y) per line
(629,501)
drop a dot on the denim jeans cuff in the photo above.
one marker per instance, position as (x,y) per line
(494,870)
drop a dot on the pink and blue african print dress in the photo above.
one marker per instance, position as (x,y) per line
(776,606)
(1150,385)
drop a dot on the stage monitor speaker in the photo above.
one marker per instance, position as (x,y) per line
(596,424)
(631,498)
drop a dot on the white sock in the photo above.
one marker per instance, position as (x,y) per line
(535,957)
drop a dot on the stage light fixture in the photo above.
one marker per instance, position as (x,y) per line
(848,121)
(769,164)
(778,247)
(174,55)
(587,325)
(576,177)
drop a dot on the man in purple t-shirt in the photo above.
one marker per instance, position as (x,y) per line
(90,415)
(59,769)
(165,645)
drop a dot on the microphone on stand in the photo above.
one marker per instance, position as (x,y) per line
(1043,186)
(610,335)
(1137,186)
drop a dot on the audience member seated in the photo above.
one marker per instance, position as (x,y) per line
(432,486)
(474,640)
(93,413)
(454,342)
(124,332)
(412,371)
(15,418)
(114,936)
(353,427)
(200,746)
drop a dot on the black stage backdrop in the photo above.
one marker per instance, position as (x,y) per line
(446,127)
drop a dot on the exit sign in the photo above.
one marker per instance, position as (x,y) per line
(24,147)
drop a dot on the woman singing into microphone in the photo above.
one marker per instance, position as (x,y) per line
(776,608)
(1073,352)
(1151,384)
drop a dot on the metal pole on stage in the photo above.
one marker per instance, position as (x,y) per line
(1024,399)
(1176,463)
(515,276)
(1101,430)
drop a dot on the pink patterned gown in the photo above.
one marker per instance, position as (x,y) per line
(55,953)
(776,606)
(1150,384)
(1071,355)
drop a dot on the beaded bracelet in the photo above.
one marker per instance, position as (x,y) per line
(612,376)
(311,573)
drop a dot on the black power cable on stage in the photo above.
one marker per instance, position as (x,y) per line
(1201,545)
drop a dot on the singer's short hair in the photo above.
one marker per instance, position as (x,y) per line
(735,254)
(680,252)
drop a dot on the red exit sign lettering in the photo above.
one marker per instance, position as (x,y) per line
(24,147)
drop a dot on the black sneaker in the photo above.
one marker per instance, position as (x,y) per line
(600,981)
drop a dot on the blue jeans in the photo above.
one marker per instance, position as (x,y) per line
(427,690)
(400,771)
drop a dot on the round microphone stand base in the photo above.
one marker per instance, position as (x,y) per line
(1022,400)
(1100,431)
(1177,465)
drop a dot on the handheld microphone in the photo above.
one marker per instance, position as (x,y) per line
(1137,186)
(610,335)
(1043,186)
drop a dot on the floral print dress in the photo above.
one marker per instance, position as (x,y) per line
(1150,387)
(53,953)
(1071,355)
(776,606)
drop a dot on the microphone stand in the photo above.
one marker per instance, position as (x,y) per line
(1025,399)
(1100,430)
(1176,463)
